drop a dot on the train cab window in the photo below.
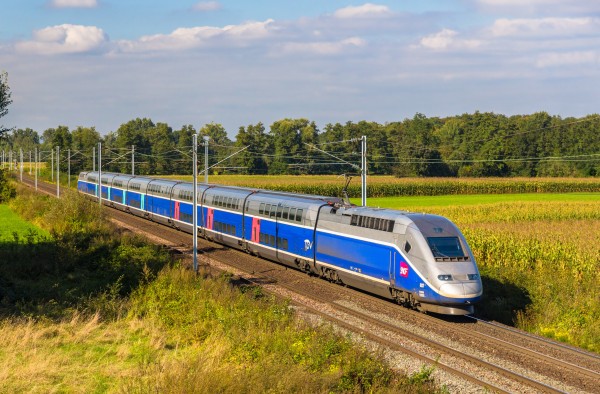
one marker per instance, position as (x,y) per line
(261,209)
(445,247)
(407,247)
(286,211)
(299,215)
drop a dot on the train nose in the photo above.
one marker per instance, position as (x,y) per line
(461,290)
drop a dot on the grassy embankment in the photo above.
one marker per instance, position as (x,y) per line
(86,309)
(537,250)
(539,256)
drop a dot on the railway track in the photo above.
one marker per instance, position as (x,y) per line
(496,357)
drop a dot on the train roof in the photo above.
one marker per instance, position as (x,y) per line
(180,183)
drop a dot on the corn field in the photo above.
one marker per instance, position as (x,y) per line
(389,186)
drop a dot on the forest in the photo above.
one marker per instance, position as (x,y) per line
(481,144)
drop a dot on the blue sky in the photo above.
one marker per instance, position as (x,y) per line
(104,62)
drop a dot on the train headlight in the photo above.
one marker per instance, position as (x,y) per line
(445,277)
(473,276)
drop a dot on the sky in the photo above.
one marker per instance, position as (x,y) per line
(102,63)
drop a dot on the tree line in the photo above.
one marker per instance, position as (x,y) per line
(468,145)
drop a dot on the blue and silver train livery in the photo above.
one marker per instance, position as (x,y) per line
(420,260)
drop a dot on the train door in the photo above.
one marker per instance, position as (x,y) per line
(255,230)
(176,213)
(393,267)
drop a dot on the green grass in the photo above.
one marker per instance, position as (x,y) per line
(12,225)
(88,311)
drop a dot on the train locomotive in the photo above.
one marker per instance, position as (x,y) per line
(419,260)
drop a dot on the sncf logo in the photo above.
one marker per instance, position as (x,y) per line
(403,269)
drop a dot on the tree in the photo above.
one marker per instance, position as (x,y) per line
(135,132)
(253,159)
(162,145)
(289,136)
(184,139)
(85,139)
(5,100)
(219,145)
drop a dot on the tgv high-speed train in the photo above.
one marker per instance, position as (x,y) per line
(420,260)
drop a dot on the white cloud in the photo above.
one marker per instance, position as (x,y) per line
(73,3)
(540,7)
(323,48)
(64,38)
(447,39)
(191,37)
(545,27)
(556,59)
(367,10)
(205,6)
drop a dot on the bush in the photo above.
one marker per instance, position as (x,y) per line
(7,190)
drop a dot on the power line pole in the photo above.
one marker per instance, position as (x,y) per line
(100,173)
(52,160)
(206,138)
(363,170)
(21,169)
(36,167)
(58,171)
(132,160)
(69,165)
(195,197)
(30,163)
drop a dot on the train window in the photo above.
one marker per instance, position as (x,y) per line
(273,210)
(272,240)
(407,247)
(376,222)
(354,220)
(286,211)
(445,247)
(390,226)
(279,209)
(299,215)
(292,213)
(228,203)
(261,209)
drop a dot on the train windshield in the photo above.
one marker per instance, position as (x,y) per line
(445,247)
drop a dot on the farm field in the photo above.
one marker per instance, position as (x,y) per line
(388,186)
(539,256)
